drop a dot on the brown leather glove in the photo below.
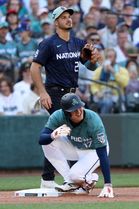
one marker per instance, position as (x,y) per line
(89,52)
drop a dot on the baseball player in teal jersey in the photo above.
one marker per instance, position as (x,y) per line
(76,133)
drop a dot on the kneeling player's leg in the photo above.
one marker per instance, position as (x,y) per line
(58,152)
(88,162)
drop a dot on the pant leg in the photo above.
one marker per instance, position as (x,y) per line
(58,153)
(88,162)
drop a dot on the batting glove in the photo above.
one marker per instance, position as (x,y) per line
(63,130)
(107,191)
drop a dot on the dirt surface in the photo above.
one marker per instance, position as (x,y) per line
(121,195)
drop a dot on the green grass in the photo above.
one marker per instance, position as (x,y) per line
(25,182)
(110,205)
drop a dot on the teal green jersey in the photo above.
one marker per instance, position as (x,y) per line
(26,50)
(89,134)
(8,50)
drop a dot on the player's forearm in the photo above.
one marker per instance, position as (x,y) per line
(36,77)
(104,163)
(45,137)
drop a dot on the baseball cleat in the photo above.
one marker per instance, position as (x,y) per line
(48,184)
(90,182)
(80,191)
(89,187)
(67,187)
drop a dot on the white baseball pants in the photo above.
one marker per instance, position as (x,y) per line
(61,150)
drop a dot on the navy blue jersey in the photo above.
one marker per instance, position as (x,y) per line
(60,59)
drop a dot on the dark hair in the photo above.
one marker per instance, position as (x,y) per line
(23,68)
(91,27)
(8,4)
(131,60)
(121,30)
(92,34)
(8,81)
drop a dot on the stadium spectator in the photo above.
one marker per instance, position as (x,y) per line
(10,101)
(132,89)
(95,39)
(103,17)
(13,23)
(129,17)
(34,20)
(42,3)
(84,83)
(47,29)
(2,71)
(117,6)
(88,20)
(96,3)
(42,13)
(105,97)
(108,33)
(132,64)
(51,5)
(16,5)
(24,80)
(27,45)
(30,106)
(96,15)
(136,37)
(8,51)
(76,20)
(121,48)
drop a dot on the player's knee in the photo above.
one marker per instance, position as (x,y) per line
(74,176)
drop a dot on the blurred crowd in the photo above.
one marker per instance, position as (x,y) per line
(111,25)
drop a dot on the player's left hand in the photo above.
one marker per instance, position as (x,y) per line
(107,191)
(89,52)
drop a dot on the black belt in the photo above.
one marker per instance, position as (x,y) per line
(63,89)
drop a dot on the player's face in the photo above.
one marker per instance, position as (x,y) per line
(77,115)
(64,21)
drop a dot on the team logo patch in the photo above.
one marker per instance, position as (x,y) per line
(101,138)
(36,53)
(74,102)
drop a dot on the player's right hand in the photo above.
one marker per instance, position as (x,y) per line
(63,130)
(45,100)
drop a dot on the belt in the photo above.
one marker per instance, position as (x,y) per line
(63,89)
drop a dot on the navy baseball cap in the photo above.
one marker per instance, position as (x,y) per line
(71,102)
(59,10)
(23,27)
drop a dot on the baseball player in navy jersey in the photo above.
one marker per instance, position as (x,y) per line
(75,133)
(60,54)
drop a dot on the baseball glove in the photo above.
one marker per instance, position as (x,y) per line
(63,130)
(89,52)
(37,105)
